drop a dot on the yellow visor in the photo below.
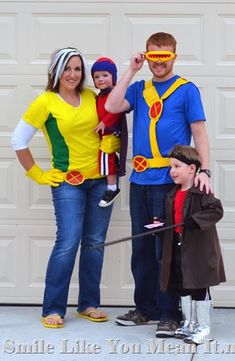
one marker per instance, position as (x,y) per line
(159,55)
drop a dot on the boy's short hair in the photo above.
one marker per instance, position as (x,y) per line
(162,39)
(186,154)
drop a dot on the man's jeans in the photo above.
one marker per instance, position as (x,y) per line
(78,218)
(147,201)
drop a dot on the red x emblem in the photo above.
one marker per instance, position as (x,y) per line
(140,163)
(155,109)
(74,178)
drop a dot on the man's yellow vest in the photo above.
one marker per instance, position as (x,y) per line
(155,104)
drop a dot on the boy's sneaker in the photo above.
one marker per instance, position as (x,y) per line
(133,318)
(109,197)
(166,328)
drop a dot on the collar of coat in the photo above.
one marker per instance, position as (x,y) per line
(192,190)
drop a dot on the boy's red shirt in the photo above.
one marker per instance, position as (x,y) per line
(178,208)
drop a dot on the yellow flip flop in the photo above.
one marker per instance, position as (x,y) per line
(87,314)
(52,317)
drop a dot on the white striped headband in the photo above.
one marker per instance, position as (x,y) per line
(59,60)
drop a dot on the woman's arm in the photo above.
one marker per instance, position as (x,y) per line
(22,135)
(25,158)
(20,139)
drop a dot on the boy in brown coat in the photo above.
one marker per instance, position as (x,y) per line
(192,260)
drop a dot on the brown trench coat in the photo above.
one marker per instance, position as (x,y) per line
(201,259)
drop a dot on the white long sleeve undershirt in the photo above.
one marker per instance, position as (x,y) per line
(22,135)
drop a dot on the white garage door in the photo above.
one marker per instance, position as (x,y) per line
(29,32)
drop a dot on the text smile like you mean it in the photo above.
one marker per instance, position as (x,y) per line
(113,346)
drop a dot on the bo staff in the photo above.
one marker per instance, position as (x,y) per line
(153,231)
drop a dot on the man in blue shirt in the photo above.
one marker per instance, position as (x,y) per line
(167,110)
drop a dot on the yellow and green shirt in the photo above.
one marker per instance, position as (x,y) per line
(69,130)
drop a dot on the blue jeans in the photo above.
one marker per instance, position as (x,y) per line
(79,219)
(147,201)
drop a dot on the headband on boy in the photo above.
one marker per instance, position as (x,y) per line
(105,64)
(184,159)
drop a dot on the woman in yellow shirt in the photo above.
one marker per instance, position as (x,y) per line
(66,113)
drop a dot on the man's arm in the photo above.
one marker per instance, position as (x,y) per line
(202,145)
(116,102)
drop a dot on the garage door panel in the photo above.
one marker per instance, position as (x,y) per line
(140,26)
(7,252)
(225,33)
(223,294)
(117,280)
(48,30)
(8,25)
(225,115)
(223,180)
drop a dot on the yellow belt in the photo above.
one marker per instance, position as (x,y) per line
(75,177)
(140,163)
